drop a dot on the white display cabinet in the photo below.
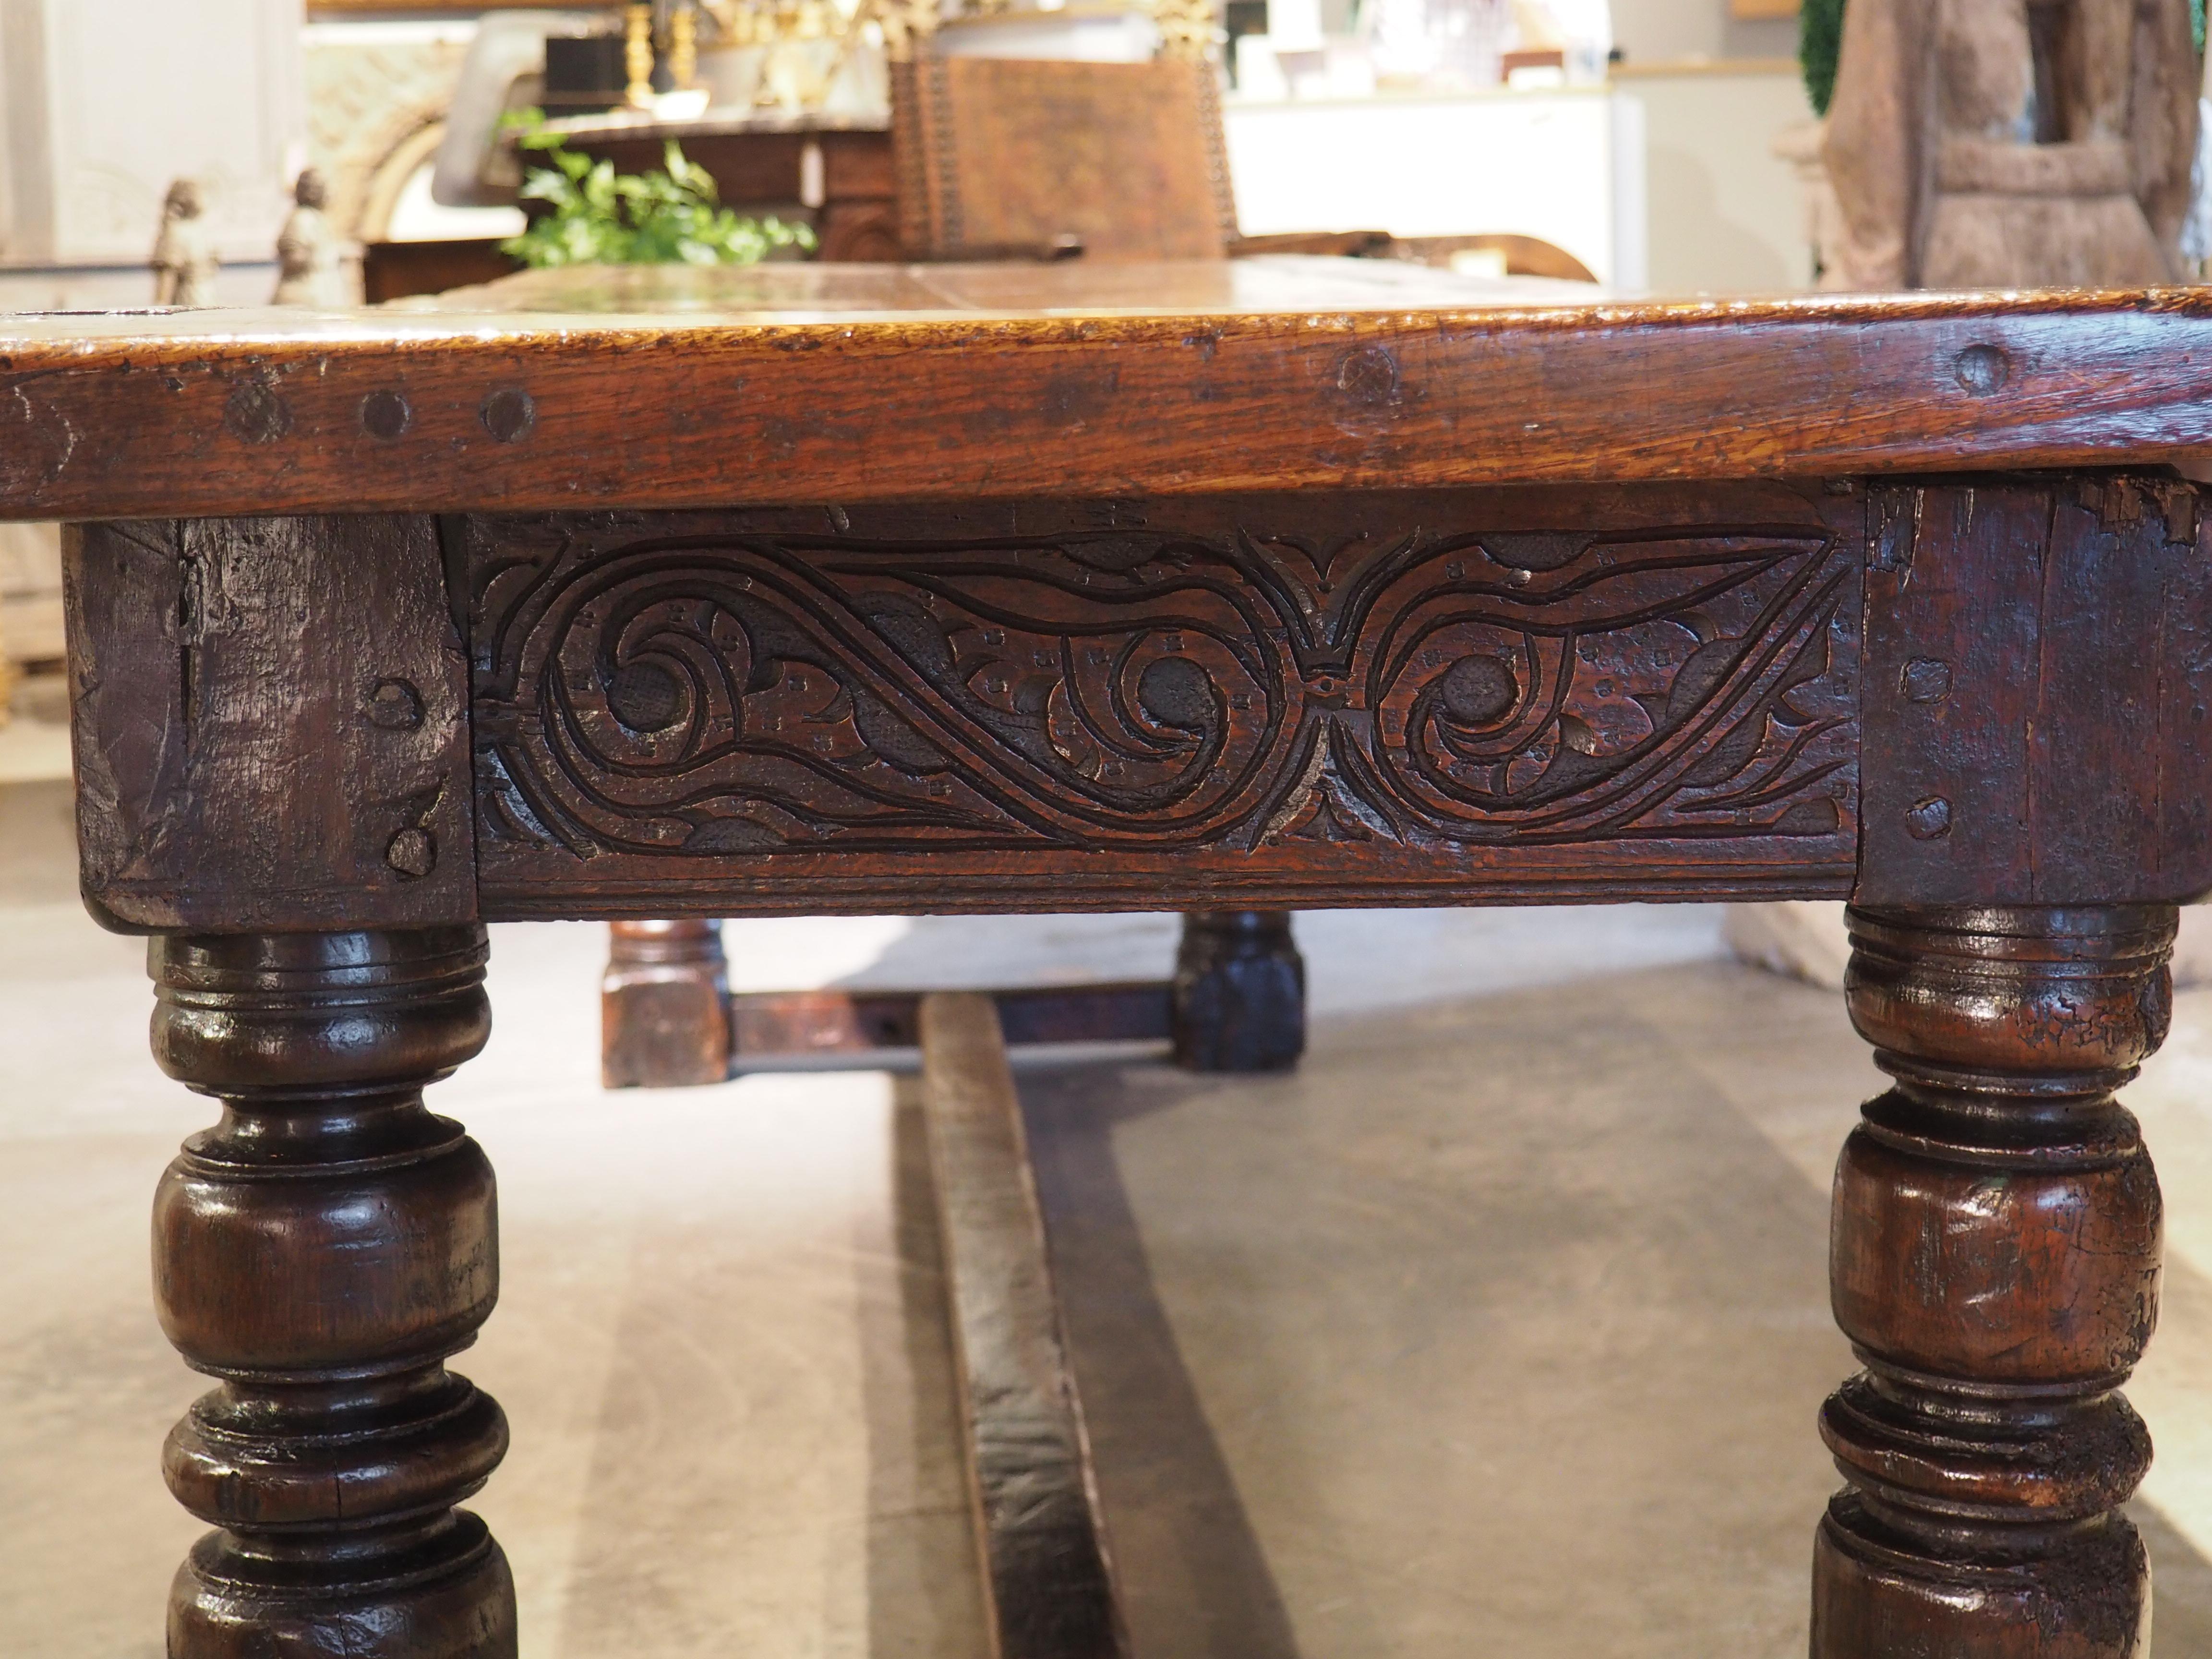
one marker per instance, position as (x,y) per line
(106,101)
(1564,165)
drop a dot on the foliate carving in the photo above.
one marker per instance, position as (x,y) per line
(697,688)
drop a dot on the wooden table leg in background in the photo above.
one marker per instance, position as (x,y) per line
(664,1005)
(1240,992)
(1236,1004)
(321,1251)
(1995,1259)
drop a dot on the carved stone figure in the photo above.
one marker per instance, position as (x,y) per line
(184,262)
(310,271)
(2011,142)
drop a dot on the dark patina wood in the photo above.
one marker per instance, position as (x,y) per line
(664,1005)
(1995,1261)
(270,722)
(1206,699)
(1168,379)
(2038,691)
(1207,587)
(1240,993)
(321,1251)
(1038,1530)
(1388,698)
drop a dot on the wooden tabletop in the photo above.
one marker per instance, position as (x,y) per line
(794,382)
(723,122)
(1267,285)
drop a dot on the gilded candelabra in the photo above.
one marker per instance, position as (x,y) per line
(684,46)
(1188,28)
(637,54)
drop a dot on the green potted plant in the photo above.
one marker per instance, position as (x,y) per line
(1820,42)
(593,215)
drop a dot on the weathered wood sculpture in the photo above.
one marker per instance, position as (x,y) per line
(2001,143)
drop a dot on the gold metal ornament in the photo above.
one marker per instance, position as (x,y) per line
(637,55)
(1188,28)
(684,46)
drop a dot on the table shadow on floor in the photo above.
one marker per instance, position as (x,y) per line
(1196,1578)
(1195,1582)
(2181,1589)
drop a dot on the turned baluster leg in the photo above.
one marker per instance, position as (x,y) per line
(1994,1257)
(321,1250)
(664,1005)
(1240,992)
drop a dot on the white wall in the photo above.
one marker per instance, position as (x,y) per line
(1674,30)
(1727,217)
(1566,166)
(1662,31)
(30,591)
(1671,185)
(108,100)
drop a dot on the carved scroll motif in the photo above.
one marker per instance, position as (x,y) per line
(650,688)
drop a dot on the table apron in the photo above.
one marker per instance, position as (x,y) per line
(1945,690)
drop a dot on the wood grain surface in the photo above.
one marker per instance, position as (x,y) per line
(1039,1533)
(1993,1258)
(2039,692)
(320,1252)
(1396,698)
(771,1026)
(664,1005)
(1240,993)
(270,725)
(1127,159)
(1041,381)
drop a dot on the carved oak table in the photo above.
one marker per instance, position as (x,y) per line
(977,589)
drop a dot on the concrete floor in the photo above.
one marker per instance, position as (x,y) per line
(1499,1327)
